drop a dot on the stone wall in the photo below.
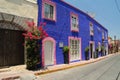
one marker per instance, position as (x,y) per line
(21,8)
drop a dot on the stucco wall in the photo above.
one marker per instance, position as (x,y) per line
(60,29)
(22,8)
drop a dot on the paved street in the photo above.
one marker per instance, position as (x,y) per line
(107,69)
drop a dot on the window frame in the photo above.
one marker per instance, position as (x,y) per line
(49,2)
(106,36)
(78,55)
(77,22)
(99,46)
(103,34)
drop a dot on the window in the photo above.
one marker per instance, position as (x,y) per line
(74,49)
(91,28)
(49,10)
(99,46)
(74,22)
(103,35)
(106,36)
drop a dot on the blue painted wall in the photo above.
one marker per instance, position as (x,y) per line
(60,30)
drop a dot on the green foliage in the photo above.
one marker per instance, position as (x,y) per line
(65,49)
(33,57)
(97,49)
(32,35)
(87,49)
(102,48)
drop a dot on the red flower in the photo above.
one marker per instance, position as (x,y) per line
(40,28)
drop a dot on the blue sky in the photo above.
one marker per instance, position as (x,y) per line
(106,13)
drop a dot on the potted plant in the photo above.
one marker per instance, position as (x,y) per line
(65,53)
(96,52)
(102,50)
(87,53)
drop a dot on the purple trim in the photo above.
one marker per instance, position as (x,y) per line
(54,49)
(50,3)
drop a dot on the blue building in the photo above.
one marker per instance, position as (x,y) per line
(69,26)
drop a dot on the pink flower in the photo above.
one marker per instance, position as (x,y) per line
(29,34)
(44,23)
(46,35)
(30,24)
(41,23)
(31,37)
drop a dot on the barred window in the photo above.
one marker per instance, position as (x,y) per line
(74,23)
(74,49)
(91,28)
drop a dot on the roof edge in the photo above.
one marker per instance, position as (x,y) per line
(83,13)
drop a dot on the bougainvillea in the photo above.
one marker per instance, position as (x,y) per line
(34,32)
(32,36)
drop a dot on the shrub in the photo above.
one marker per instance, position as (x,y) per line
(87,49)
(32,37)
(65,49)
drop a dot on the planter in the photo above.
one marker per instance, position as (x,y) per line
(86,55)
(65,54)
(66,58)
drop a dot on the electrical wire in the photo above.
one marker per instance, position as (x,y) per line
(117,6)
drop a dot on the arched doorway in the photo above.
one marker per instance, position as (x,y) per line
(48,50)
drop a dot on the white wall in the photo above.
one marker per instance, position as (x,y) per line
(22,8)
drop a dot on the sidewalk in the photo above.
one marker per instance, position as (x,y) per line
(68,66)
(13,73)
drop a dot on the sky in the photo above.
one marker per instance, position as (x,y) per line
(106,13)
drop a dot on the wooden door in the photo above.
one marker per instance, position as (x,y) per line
(11,48)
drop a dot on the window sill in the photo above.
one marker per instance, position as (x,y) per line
(92,34)
(49,19)
(76,60)
(75,30)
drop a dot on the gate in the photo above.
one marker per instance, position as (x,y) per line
(11,48)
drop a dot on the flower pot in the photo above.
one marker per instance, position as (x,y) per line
(66,58)
(86,55)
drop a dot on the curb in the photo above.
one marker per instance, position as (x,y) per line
(11,78)
(67,67)
(58,69)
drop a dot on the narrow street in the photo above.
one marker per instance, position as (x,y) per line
(107,69)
